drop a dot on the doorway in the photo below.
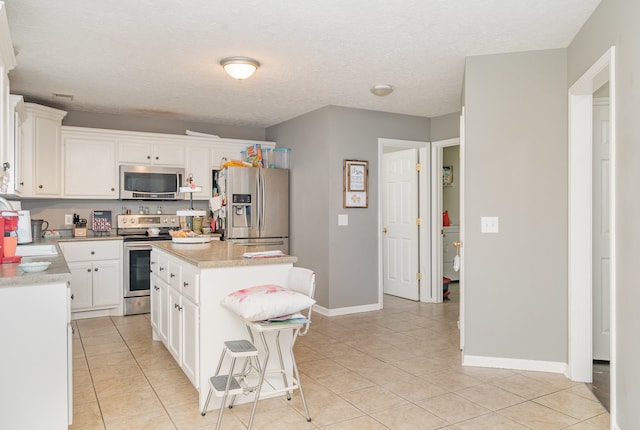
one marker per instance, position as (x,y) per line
(403,239)
(445,195)
(581,222)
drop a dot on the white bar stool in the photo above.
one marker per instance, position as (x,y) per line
(235,383)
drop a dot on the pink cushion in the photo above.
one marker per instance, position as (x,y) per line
(263,302)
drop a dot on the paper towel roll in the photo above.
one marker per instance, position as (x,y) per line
(456,263)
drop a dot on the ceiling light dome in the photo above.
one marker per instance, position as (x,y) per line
(381,90)
(239,67)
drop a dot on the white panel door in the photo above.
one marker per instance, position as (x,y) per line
(601,290)
(400,212)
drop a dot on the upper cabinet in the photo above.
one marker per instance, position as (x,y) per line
(90,169)
(40,167)
(132,151)
(7,63)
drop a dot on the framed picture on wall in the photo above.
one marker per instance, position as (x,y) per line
(447,176)
(355,177)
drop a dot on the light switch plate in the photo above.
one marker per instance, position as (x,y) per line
(343,219)
(68,219)
(489,224)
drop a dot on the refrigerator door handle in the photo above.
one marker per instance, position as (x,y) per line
(262,202)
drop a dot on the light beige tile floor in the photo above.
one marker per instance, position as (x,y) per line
(398,368)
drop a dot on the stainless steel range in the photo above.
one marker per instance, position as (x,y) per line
(137,255)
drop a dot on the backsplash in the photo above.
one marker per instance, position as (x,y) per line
(54,210)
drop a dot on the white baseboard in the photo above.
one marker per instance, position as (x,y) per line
(514,364)
(345,311)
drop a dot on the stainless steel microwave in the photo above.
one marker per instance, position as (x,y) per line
(150,182)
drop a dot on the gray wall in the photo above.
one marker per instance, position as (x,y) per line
(445,126)
(159,124)
(345,258)
(516,169)
(615,22)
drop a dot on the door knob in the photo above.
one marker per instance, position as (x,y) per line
(384,230)
(457,244)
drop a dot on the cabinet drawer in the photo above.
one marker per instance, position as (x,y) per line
(175,274)
(92,251)
(191,285)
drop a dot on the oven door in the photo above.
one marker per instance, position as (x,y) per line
(137,269)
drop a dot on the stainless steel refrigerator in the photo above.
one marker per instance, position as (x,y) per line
(257,207)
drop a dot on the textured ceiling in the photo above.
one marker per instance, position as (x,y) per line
(160,57)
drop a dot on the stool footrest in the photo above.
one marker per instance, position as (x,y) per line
(219,385)
(241,348)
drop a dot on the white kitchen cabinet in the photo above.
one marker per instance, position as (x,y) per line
(144,152)
(226,152)
(190,314)
(183,339)
(15,146)
(96,268)
(174,311)
(41,154)
(90,169)
(175,325)
(7,63)
(36,358)
(199,165)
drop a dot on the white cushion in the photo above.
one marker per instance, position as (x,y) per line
(263,302)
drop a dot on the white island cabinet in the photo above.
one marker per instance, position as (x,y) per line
(96,286)
(36,384)
(188,283)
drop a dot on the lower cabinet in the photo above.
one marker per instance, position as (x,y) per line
(175,313)
(96,274)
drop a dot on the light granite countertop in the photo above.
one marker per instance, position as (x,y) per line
(11,275)
(218,254)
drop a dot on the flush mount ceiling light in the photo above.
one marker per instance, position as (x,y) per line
(239,67)
(381,90)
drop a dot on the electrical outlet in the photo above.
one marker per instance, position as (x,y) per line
(68,219)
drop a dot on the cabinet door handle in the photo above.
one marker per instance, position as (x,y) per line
(148,157)
(171,275)
(161,268)
(178,307)
(71,296)
(157,158)
(89,270)
(93,253)
(22,184)
(155,287)
(95,270)
(40,186)
(185,284)
(113,189)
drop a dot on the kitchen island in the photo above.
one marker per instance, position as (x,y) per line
(35,363)
(188,283)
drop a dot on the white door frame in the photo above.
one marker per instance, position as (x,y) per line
(580,359)
(436,215)
(423,209)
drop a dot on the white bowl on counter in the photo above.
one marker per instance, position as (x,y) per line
(34,267)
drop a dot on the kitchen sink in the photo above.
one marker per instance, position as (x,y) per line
(37,250)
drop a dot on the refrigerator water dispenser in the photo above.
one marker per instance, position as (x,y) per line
(241,210)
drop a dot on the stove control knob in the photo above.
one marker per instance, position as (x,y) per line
(124,220)
(133,220)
